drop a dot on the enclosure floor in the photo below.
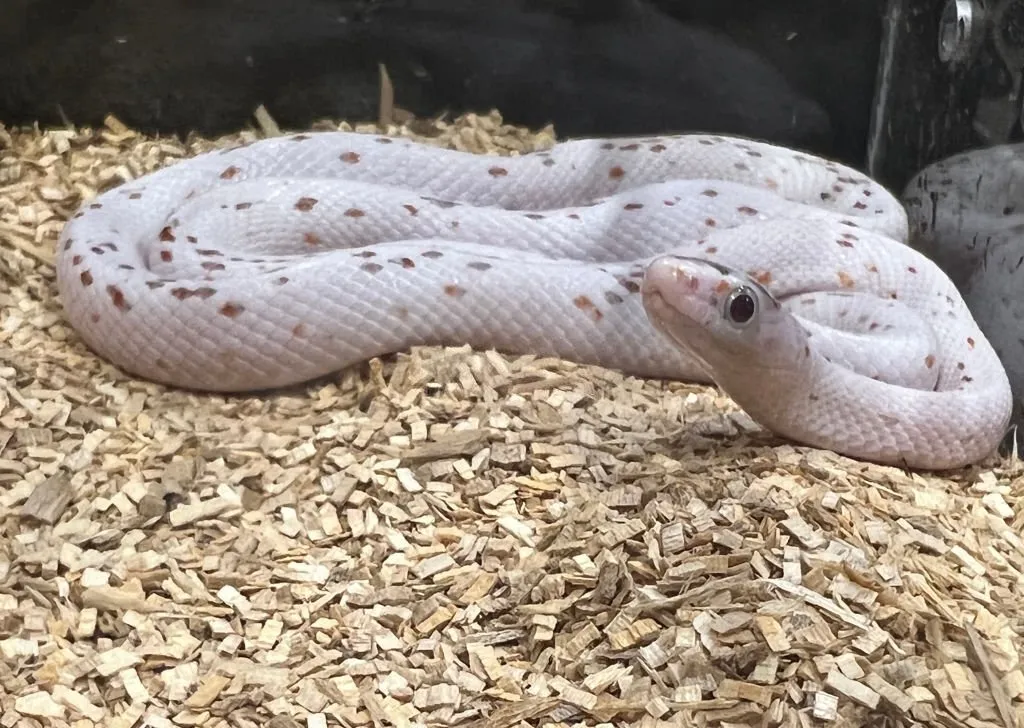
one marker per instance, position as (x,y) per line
(458,538)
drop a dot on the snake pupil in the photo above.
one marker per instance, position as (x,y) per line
(742,307)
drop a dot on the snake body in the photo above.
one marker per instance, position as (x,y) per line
(292,257)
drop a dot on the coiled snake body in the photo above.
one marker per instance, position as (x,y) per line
(295,256)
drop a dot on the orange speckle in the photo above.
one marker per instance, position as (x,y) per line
(167,235)
(305,204)
(616,172)
(231,310)
(310,238)
(354,212)
(845,279)
(722,286)
(349,157)
(412,209)
(454,291)
(583,303)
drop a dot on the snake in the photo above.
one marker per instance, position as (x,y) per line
(781,276)
(966,212)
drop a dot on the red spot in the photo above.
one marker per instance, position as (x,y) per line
(929,361)
(845,279)
(167,235)
(76,260)
(350,157)
(970,342)
(454,291)
(583,303)
(231,310)
(230,172)
(631,286)
(310,238)
(86,278)
(354,212)
(166,256)
(722,286)
(412,209)
(616,172)
(299,330)
(404,262)
(305,204)
(763,277)
(117,296)
(912,269)
(183,293)
(497,172)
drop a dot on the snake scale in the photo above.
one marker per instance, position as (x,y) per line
(781,276)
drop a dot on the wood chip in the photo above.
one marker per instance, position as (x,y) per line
(458,538)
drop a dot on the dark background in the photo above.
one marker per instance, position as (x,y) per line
(797,72)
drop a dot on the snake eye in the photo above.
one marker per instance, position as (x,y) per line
(741,306)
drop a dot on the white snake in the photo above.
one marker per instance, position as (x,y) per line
(293,257)
(967,214)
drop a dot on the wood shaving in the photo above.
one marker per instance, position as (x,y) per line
(458,538)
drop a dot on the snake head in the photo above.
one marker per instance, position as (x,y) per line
(725,319)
